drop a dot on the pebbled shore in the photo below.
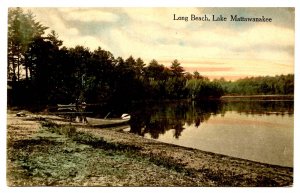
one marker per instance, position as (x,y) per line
(45,150)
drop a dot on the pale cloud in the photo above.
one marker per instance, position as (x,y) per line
(151,33)
(51,19)
(257,52)
(72,31)
(160,16)
(88,15)
(257,42)
(236,68)
(269,34)
(87,41)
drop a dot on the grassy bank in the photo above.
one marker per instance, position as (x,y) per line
(55,154)
(60,156)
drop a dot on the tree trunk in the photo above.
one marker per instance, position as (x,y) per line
(18,68)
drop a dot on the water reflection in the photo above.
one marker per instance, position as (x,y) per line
(156,119)
(255,130)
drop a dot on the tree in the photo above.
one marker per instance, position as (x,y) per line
(154,71)
(140,67)
(15,18)
(188,76)
(22,30)
(99,70)
(283,84)
(45,69)
(177,69)
(202,88)
(54,39)
(197,75)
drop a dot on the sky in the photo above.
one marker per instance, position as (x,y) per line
(231,40)
(213,48)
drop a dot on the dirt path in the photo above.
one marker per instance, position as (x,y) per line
(60,154)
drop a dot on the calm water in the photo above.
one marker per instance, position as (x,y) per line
(256,130)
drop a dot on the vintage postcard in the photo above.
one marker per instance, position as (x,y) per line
(150,97)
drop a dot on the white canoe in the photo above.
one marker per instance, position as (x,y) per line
(97,122)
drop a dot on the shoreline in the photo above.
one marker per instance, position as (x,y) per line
(258,97)
(192,167)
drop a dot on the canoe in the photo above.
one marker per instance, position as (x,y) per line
(109,122)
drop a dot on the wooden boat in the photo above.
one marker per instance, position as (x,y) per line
(69,107)
(109,122)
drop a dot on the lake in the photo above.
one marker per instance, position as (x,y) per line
(258,130)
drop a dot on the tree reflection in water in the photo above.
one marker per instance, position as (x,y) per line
(157,119)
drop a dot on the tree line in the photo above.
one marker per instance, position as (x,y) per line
(40,70)
(264,85)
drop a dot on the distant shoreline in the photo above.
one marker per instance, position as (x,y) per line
(289,97)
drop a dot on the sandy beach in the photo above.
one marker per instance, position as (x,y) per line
(46,150)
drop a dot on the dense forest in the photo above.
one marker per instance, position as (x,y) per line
(41,71)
